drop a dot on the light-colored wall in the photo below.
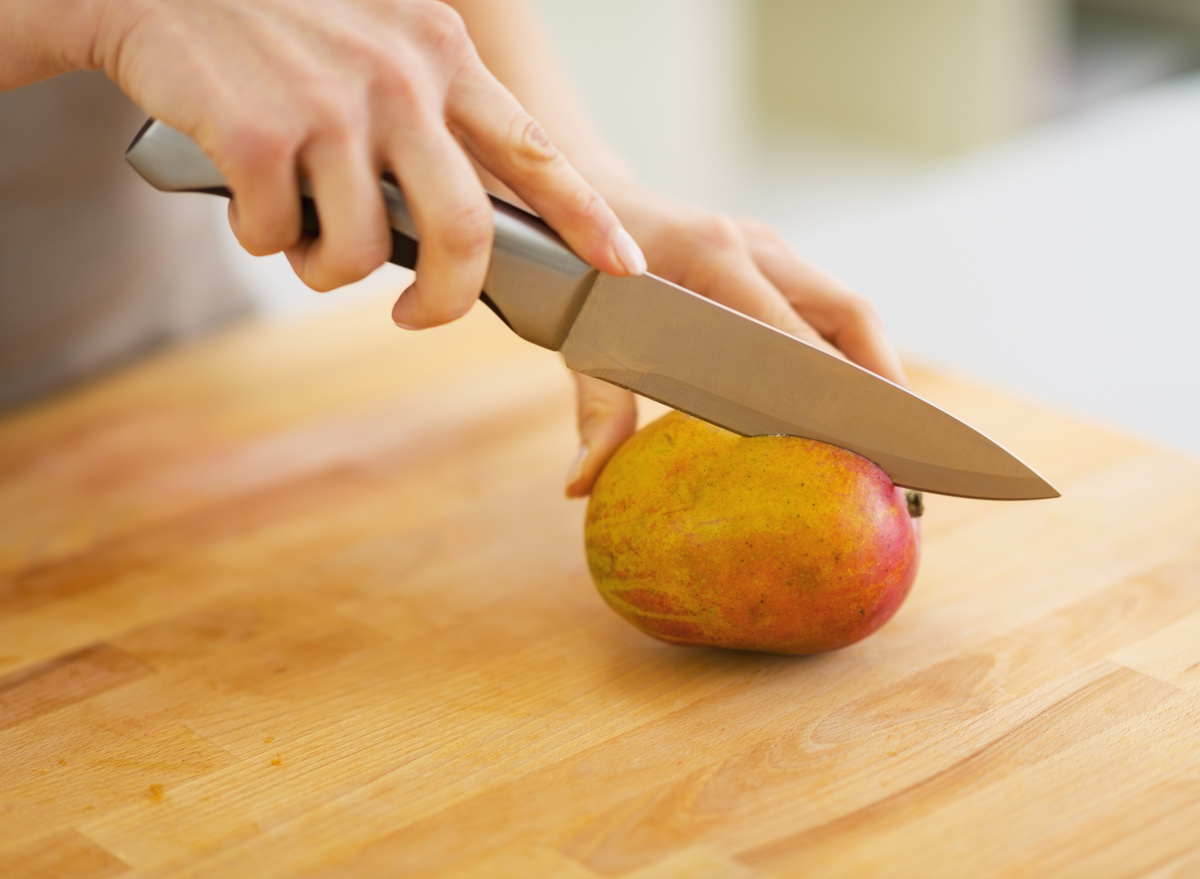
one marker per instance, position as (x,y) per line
(932,75)
(665,81)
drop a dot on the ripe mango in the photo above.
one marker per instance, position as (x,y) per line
(698,536)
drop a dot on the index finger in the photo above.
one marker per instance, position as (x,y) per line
(509,143)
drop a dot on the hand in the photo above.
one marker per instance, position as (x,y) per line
(746,265)
(337,92)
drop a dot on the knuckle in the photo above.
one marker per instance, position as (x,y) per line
(704,271)
(715,232)
(599,399)
(469,233)
(396,75)
(585,204)
(703,275)
(441,27)
(354,262)
(529,145)
(334,117)
(781,316)
(251,147)
(398,85)
(338,264)
(860,310)
(596,416)
(765,234)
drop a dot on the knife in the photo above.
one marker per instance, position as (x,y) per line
(669,344)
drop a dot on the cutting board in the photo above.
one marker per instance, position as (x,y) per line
(306,599)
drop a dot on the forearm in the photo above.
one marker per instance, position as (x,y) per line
(515,46)
(43,38)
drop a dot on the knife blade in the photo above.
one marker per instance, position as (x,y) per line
(669,344)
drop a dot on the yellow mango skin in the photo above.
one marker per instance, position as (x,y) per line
(699,536)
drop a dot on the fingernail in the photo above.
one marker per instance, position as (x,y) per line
(628,253)
(576,468)
(405,326)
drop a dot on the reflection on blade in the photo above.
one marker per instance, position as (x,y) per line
(750,378)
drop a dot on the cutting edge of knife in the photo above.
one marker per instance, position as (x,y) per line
(1039,487)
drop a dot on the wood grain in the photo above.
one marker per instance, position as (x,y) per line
(56,683)
(306,600)
(66,854)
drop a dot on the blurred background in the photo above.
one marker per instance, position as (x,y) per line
(1014,183)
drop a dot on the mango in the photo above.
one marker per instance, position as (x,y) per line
(698,536)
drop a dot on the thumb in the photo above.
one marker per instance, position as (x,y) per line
(607,417)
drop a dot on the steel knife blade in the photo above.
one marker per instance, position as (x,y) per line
(669,344)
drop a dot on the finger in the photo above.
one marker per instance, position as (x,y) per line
(607,417)
(354,238)
(510,144)
(259,165)
(735,281)
(844,318)
(453,217)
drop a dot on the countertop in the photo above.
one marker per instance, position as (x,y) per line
(305,599)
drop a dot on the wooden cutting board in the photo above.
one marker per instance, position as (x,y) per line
(307,600)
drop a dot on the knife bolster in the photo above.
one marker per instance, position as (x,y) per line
(534,282)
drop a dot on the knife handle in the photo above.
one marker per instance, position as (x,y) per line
(535,283)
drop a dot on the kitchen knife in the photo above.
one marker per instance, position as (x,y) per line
(667,343)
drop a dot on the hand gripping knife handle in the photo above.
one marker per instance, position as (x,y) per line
(535,283)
